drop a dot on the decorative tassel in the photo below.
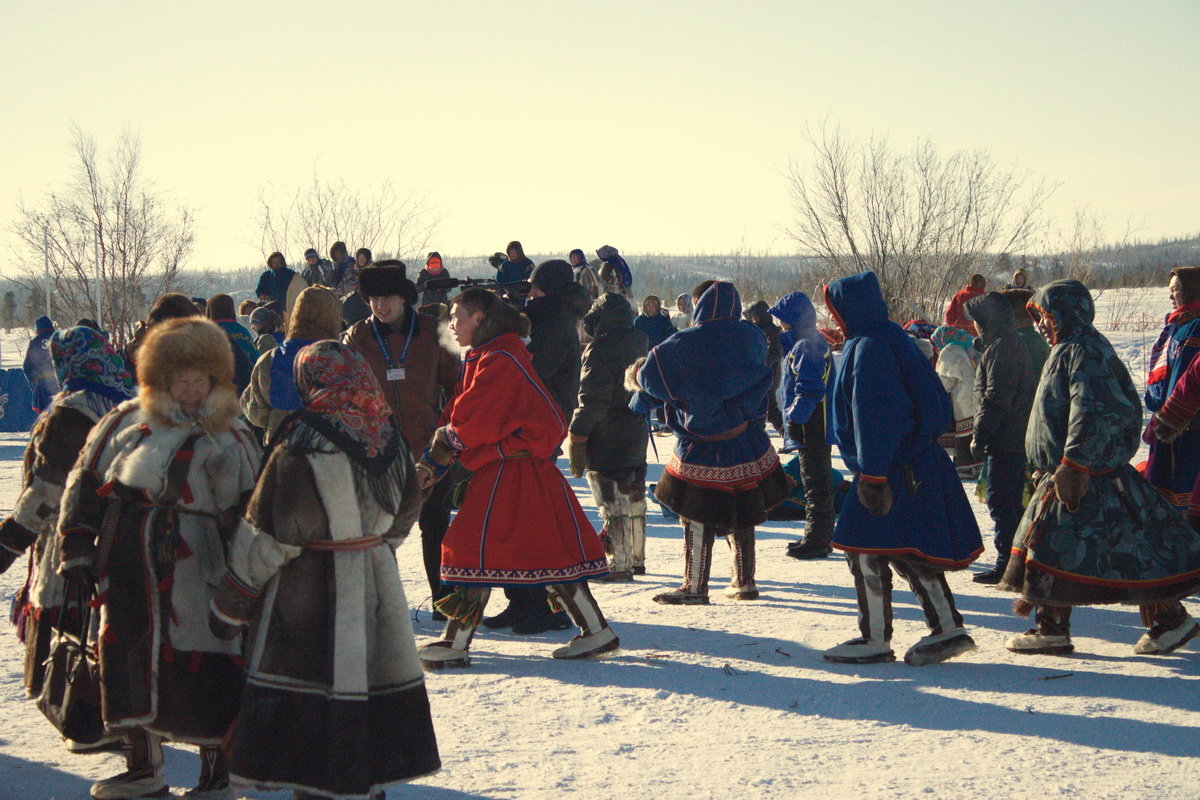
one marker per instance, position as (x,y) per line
(457,605)
(1149,612)
(1023,608)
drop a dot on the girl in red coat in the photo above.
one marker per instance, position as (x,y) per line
(520,524)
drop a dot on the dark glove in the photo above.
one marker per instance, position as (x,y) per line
(577,454)
(222,629)
(877,497)
(80,575)
(1070,485)
(795,432)
(7,557)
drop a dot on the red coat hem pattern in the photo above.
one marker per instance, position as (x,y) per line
(474,576)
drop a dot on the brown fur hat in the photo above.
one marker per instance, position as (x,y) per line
(175,345)
(316,315)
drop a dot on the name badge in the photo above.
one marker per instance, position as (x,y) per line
(396,374)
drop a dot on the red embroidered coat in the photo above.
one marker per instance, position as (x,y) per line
(520,523)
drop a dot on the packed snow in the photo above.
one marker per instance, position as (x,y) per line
(734,699)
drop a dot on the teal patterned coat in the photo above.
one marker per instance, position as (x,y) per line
(1125,543)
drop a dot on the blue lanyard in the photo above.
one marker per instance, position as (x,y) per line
(387,351)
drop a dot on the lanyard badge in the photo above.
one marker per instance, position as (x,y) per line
(395,370)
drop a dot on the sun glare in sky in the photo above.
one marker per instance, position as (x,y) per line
(652,126)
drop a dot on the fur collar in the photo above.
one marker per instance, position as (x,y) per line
(217,413)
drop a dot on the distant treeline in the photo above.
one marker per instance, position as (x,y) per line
(757,277)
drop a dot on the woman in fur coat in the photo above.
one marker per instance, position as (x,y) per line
(146,515)
(520,523)
(335,702)
(94,379)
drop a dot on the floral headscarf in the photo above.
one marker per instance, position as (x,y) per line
(85,362)
(344,405)
(947,335)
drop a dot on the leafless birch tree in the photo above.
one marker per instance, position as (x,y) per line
(378,217)
(923,222)
(111,242)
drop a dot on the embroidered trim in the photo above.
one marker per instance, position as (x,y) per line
(452,437)
(477,575)
(729,477)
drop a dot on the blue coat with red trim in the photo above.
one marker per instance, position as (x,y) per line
(520,523)
(887,408)
(1173,467)
(712,379)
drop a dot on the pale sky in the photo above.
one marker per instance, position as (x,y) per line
(653,126)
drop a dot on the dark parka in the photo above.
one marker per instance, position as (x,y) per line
(554,333)
(617,436)
(1005,379)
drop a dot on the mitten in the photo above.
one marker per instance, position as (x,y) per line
(877,497)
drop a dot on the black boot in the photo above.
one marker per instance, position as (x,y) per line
(807,549)
(541,619)
(214,776)
(993,575)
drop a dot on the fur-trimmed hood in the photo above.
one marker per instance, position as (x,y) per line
(182,344)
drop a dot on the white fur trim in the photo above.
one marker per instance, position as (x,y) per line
(335,483)
(37,507)
(256,557)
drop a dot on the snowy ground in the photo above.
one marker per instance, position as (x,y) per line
(734,700)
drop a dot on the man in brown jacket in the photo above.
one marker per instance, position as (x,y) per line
(418,375)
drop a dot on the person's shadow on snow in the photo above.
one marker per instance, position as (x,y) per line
(662,657)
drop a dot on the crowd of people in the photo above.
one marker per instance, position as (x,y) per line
(211,511)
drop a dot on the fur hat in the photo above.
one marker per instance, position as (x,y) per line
(385,278)
(188,343)
(316,315)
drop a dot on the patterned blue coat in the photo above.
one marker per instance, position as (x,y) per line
(887,408)
(712,379)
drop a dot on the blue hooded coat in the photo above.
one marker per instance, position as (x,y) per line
(887,409)
(713,379)
(808,359)
(39,367)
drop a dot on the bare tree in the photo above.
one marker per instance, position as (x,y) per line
(109,241)
(378,217)
(922,222)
